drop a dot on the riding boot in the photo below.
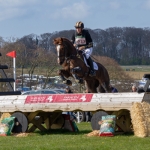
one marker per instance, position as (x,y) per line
(90,62)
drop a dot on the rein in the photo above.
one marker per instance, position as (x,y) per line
(65,54)
(74,55)
(68,57)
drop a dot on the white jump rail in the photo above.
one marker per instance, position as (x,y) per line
(71,102)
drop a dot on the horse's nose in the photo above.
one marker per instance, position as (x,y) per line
(58,60)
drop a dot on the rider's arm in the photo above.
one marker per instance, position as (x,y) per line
(73,39)
(89,45)
(88,40)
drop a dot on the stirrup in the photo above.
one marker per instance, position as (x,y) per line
(92,73)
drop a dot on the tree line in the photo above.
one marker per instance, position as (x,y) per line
(33,59)
(127,45)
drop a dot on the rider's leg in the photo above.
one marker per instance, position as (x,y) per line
(90,62)
(88,53)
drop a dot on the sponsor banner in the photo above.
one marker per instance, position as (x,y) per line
(62,98)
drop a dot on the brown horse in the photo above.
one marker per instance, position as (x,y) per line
(74,66)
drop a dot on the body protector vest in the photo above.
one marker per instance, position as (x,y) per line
(83,39)
(80,40)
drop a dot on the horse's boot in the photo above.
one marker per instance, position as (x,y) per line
(92,71)
(77,79)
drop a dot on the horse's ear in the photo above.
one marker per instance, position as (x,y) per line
(61,39)
(58,41)
(55,41)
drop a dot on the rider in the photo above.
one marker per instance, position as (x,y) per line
(83,41)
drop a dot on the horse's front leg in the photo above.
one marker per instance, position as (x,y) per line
(63,75)
(74,72)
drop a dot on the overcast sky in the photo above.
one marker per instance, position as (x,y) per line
(22,17)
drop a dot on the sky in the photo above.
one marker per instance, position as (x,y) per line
(23,17)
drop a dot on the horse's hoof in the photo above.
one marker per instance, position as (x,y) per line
(68,82)
(65,82)
(79,81)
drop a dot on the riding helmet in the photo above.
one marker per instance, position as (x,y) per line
(79,25)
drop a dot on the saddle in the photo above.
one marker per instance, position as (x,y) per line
(95,66)
(89,63)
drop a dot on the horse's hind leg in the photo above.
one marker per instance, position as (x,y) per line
(90,85)
(106,87)
(101,89)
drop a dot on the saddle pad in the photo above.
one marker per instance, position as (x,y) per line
(94,64)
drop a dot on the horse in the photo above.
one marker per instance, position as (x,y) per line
(74,66)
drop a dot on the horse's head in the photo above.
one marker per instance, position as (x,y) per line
(60,50)
(64,49)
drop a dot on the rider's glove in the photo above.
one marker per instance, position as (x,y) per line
(74,45)
(82,48)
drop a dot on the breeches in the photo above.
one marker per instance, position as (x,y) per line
(88,52)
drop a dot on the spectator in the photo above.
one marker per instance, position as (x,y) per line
(134,88)
(88,116)
(113,89)
(68,90)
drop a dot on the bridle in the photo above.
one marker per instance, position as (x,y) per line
(66,58)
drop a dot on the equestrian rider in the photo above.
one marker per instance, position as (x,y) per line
(82,40)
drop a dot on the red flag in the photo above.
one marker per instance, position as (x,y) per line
(12,54)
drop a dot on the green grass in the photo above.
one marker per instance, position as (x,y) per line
(137,68)
(64,140)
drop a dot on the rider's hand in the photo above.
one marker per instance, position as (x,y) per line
(81,48)
(74,45)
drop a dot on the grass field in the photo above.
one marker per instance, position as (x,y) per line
(64,140)
(136,72)
(137,68)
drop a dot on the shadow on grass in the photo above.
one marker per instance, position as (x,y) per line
(62,131)
(67,132)
(124,133)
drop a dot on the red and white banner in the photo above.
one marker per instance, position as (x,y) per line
(62,98)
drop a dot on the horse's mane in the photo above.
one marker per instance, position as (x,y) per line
(69,42)
(65,40)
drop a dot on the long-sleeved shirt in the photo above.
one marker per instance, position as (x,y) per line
(82,39)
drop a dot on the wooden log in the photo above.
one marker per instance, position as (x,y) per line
(123,120)
(49,107)
(45,121)
(107,102)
